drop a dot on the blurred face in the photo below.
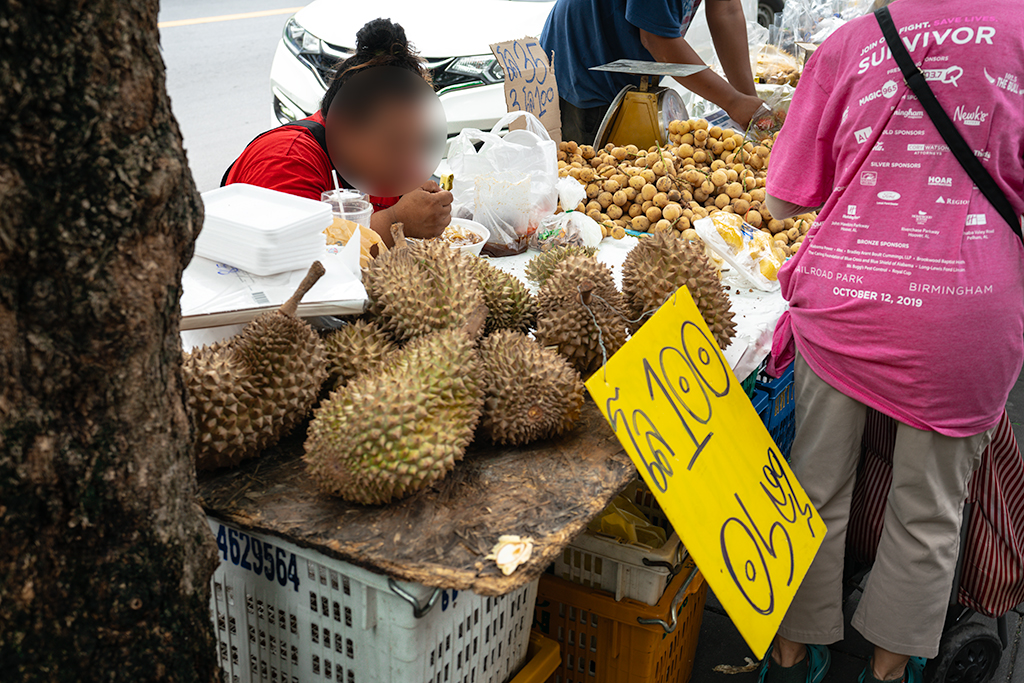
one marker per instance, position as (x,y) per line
(386,131)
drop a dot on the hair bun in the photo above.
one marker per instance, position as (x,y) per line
(381,36)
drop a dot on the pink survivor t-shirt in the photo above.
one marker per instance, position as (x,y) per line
(908,294)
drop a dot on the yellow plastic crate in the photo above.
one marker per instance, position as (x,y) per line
(604,641)
(542,658)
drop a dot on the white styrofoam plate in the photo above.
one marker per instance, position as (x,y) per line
(258,212)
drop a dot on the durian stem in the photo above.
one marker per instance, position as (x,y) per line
(586,289)
(398,234)
(475,322)
(290,307)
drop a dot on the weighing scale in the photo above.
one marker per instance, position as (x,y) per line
(640,116)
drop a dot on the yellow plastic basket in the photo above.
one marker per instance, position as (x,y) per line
(604,641)
(542,658)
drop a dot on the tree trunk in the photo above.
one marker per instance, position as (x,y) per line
(105,556)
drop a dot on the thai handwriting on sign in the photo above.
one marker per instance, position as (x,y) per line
(736,533)
(689,379)
(526,75)
(259,557)
(674,404)
(654,450)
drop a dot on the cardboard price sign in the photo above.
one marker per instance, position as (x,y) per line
(686,422)
(530,83)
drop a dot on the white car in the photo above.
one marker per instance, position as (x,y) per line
(453,37)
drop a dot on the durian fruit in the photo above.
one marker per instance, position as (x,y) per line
(394,431)
(248,392)
(580,314)
(662,263)
(420,287)
(509,302)
(531,392)
(541,266)
(561,286)
(358,347)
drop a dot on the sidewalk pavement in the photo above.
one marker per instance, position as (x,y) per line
(721,643)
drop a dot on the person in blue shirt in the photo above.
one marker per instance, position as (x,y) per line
(585,33)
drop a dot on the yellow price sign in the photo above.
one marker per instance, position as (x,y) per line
(686,422)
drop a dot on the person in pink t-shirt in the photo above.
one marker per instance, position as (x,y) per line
(907,297)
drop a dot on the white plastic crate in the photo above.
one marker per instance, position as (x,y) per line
(606,563)
(312,618)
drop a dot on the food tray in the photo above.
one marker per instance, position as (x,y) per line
(307,617)
(634,572)
(262,260)
(248,212)
(603,640)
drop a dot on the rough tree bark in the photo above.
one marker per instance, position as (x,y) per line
(105,557)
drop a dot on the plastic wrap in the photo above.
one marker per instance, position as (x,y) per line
(570,226)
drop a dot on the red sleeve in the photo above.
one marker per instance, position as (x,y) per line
(287,161)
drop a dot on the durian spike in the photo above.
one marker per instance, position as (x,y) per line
(290,307)
(475,322)
(398,234)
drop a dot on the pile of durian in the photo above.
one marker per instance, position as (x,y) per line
(452,349)
(704,169)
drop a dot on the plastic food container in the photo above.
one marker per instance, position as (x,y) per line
(356,210)
(336,197)
(476,228)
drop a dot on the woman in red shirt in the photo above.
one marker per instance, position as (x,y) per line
(376,127)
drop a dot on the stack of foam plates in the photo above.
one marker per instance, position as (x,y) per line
(262,231)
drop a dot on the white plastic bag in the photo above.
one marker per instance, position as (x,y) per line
(509,183)
(570,226)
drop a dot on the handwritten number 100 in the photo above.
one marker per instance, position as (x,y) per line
(654,451)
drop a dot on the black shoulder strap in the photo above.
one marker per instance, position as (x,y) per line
(316,129)
(914,78)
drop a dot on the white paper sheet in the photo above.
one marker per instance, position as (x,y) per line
(216,294)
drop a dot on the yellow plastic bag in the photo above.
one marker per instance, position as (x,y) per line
(625,521)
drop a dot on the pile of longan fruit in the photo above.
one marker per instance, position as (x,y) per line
(704,169)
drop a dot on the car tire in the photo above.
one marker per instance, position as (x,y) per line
(766,10)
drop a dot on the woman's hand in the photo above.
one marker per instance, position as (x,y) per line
(424,212)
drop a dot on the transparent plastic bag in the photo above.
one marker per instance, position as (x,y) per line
(508,184)
(570,226)
(777,99)
(812,21)
(744,247)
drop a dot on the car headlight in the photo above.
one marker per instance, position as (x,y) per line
(299,40)
(484,67)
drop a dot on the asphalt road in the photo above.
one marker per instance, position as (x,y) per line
(218,76)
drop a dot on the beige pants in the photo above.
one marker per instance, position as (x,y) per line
(904,604)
